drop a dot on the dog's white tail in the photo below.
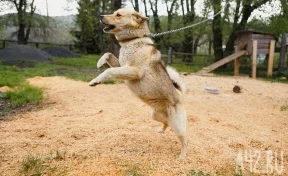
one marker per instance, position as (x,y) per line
(174,75)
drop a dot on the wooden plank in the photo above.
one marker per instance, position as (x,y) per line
(236,63)
(262,36)
(254,59)
(271,58)
(222,62)
(263,45)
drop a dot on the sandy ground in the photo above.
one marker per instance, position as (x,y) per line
(106,130)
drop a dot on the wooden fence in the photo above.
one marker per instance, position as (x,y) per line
(174,57)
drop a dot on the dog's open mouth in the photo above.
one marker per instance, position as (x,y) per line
(108,27)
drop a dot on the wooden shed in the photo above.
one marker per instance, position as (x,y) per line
(255,43)
(246,38)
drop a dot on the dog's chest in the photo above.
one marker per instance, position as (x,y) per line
(129,53)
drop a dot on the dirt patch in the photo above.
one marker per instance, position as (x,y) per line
(106,130)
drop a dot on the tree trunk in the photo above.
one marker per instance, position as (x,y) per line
(196,43)
(157,23)
(137,5)
(114,46)
(282,53)
(22,26)
(248,8)
(210,47)
(217,32)
(21,35)
(145,8)
(169,22)
(188,35)
(24,20)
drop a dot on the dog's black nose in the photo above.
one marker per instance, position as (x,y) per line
(101,17)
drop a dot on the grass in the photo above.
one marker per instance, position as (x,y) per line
(197,173)
(198,63)
(284,107)
(24,94)
(83,69)
(37,166)
(134,171)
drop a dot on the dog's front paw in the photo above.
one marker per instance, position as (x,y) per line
(93,84)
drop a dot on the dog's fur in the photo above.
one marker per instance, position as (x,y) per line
(141,67)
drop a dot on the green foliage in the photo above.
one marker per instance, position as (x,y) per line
(10,76)
(90,31)
(24,94)
(85,61)
(197,173)
(109,81)
(284,107)
(36,166)
(83,69)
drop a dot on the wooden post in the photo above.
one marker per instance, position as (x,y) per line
(271,58)
(282,53)
(236,63)
(254,59)
(170,56)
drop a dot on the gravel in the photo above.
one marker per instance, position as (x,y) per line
(61,52)
(23,52)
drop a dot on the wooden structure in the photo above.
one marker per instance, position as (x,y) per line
(249,43)
(255,43)
(223,61)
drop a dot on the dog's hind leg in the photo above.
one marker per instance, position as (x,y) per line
(160,117)
(177,121)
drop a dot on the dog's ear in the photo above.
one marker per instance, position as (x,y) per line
(139,18)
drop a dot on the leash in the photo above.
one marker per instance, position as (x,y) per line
(183,28)
(128,4)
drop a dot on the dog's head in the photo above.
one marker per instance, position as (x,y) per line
(125,23)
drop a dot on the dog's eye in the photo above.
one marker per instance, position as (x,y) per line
(118,15)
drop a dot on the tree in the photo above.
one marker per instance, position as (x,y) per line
(240,16)
(85,22)
(217,31)
(171,14)
(156,19)
(25,14)
(241,20)
(188,18)
(145,8)
(114,46)
(136,6)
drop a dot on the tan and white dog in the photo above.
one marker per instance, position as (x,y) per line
(141,67)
